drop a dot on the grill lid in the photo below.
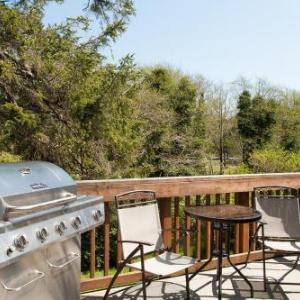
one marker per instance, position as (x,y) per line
(32,186)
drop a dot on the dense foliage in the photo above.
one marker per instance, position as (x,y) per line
(255,119)
(62,102)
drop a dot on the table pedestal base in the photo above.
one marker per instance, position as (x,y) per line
(223,230)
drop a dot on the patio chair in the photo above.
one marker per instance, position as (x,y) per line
(141,233)
(279,228)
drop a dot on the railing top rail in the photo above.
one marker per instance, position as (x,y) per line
(192,185)
(202,177)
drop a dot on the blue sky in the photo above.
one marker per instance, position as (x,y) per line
(220,39)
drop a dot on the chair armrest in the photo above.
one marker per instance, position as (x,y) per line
(144,243)
(259,227)
(262,223)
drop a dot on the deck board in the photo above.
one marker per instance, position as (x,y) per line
(203,286)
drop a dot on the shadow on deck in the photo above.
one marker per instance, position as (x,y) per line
(203,286)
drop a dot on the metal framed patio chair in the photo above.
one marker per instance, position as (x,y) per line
(279,229)
(141,234)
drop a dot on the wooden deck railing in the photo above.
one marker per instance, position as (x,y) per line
(175,193)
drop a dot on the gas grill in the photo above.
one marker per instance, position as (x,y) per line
(41,220)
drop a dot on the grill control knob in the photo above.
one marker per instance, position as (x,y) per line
(58,229)
(42,234)
(9,251)
(63,225)
(61,228)
(97,214)
(76,222)
(20,242)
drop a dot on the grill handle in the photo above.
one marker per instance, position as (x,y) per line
(39,274)
(74,256)
(11,209)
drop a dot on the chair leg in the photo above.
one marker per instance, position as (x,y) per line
(252,241)
(187,284)
(296,262)
(144,286)
(292,269)
(113,281)
(143,274)
(120,268)
(264,256)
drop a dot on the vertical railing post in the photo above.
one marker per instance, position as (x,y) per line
(236,246)
(198,231)
(119,247)
(92,252)
(177,224)
(208,232)
(187,247)
(218,199)
(166,220)
(227,198)
(243,199)
(106,228)
(253,225)
(217,232)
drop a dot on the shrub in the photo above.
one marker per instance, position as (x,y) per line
(241,168)
(8,157)
(270,160)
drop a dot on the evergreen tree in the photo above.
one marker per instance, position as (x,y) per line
(59,101)
(255,119)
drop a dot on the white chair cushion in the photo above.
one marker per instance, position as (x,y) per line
(281,217)
(165,264)
(140,223)
(283,245)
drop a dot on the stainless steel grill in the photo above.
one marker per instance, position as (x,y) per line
(41,220)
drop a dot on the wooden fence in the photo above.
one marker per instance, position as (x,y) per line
(175,193)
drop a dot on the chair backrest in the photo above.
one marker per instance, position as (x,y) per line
(138,219)
(279,206)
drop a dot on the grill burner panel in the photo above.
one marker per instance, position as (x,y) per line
(47,228)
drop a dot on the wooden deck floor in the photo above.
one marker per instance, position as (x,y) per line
(203,286)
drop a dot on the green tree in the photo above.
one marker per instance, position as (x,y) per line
(220,123)
(59,101)
(255,119)
(286,133)
(112,16)
(176,147)
(160,79)
(188,131)
(184,103)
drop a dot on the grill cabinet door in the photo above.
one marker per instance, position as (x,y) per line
(24,279)
(63,270)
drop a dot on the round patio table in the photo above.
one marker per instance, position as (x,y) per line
(222,218)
